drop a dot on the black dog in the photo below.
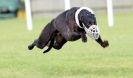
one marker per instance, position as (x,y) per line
(70,25)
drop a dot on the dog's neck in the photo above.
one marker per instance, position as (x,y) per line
(77,15)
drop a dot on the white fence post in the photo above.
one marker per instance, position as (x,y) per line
(28,15)
(110,13)
(67,4)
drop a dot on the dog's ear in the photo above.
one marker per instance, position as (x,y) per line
(87,18)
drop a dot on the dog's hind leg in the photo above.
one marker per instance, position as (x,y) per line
(59,42)
(45,35)
(31,46)
(58,45)
(50,45)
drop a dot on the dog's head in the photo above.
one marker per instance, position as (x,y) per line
(85,19)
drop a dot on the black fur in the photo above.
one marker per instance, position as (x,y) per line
(64,28)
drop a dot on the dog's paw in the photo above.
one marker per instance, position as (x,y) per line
(84,39)
(30,47)
(105,44)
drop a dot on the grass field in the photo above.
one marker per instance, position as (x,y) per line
(75,59)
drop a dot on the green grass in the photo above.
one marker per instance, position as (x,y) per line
(75,59)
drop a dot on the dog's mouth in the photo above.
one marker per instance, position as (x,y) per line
(93,31)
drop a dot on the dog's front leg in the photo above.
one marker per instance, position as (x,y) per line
(83,36)
(104,43)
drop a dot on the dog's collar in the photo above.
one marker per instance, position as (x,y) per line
(77,13)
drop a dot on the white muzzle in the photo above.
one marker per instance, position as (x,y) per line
(93,31)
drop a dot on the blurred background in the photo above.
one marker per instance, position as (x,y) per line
(75,59)
(11,8)
(50,7)
(16,8)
